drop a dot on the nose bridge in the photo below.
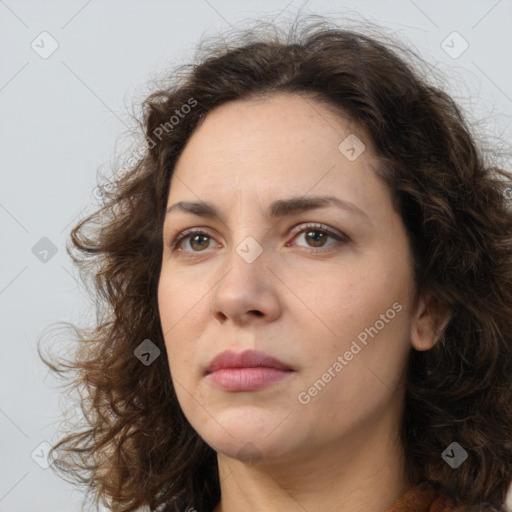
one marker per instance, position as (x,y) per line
(249,250)
(245,285)
(247,230)
(246,260)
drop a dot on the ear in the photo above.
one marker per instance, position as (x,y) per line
(428,323)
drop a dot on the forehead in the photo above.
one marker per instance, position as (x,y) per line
(279,125)
(279,145)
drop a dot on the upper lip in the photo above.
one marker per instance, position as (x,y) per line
(245,359)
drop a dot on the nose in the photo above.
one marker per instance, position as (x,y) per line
(248,291)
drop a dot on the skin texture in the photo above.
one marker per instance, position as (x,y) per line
(301,300)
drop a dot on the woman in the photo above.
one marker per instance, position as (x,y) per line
(305,293)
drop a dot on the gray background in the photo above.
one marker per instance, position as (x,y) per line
(61,117)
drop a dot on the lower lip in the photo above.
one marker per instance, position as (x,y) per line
(247,379)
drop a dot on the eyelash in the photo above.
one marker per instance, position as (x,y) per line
(184,235)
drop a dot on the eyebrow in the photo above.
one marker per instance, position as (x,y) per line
(280,208)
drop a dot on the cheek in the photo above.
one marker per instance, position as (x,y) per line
(364,313)
(168,307)
(346,301)
(176,309)
(180,297)
(377,289)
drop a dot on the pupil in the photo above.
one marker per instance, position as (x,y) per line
(319,238)
(195,238)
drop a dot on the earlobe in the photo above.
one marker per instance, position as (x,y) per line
(429,323)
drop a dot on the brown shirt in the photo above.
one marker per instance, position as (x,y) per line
(423,498)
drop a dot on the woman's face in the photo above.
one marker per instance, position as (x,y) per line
(327,290)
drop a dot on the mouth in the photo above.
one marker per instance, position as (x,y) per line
(246,371)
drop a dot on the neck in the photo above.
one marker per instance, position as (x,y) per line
(363,472)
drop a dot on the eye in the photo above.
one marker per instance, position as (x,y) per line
(199,239)
(318,234)
(196,237)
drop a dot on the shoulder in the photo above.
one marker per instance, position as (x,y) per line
(424,497)
(443,503)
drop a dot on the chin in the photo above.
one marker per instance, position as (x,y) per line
(249,436)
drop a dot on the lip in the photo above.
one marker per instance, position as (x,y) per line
(249,370)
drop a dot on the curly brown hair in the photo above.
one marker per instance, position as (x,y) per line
(134,447)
